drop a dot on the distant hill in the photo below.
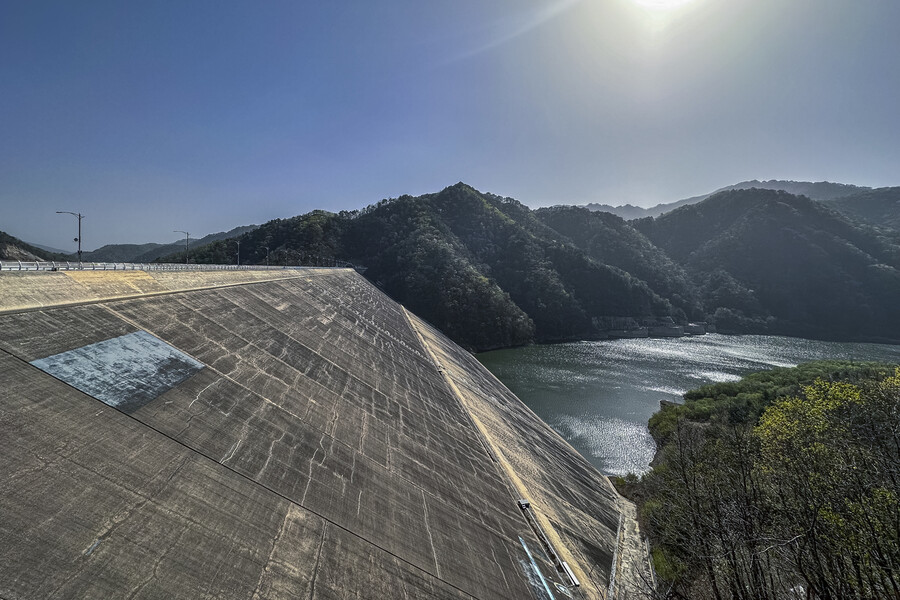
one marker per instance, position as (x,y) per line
(822,191)
(767,260)
(144,253)
(626,211)
(879,207)
(50,249)
(12,248)
(630,212)
(121,252)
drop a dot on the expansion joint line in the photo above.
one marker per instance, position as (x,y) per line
(216,464)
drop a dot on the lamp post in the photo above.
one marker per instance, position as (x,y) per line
(187,237)
(78,239)
(267,255)
(238,242)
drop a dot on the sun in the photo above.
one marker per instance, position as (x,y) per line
(661,4)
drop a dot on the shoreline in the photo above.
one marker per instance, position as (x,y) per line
(600,397)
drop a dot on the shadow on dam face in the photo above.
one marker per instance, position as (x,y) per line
(273,435)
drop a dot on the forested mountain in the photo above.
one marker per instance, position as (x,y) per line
(770,261)
(609,239)
(12,248)
(822,191)
(490,272)
(142,253)
(879,207)
(482,268)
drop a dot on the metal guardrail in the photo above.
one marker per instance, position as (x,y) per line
(15,265)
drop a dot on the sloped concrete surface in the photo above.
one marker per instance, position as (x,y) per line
(327,445)
(125,372)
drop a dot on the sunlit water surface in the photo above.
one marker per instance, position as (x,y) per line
(599,395)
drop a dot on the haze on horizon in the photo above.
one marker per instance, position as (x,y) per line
(154,117)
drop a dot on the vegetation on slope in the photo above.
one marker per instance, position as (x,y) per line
(482,268)
(12,248)
(879,208)
(609,239)
(768,261)
(491,272)
(786,480)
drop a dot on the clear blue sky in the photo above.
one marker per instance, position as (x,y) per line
(155,116)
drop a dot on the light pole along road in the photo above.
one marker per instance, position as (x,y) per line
(78,239)
(187,237)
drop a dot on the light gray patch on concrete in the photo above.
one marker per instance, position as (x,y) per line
(539,586)
(125,372)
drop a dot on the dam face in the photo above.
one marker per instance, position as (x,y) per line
(280,434)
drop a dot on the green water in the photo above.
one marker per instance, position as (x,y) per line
(599,395)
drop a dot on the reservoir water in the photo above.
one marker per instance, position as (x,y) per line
(600,394)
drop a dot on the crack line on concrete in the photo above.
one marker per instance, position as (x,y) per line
(197,397)
(155,574)
(271,452)
(265,570)
(312,460)
(312,584)
(499,568)
(437,567)
(231,451)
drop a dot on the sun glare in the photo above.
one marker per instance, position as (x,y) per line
(661,4)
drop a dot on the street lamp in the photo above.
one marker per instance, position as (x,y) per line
(78,239)
(187,237)
(267,255)
(238,242)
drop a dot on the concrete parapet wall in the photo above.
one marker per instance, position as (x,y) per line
(25,290)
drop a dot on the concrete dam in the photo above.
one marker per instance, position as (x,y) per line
(278,434)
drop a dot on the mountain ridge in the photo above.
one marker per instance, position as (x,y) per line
(490,272)
(823,191)
(151,251)
(781,263)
